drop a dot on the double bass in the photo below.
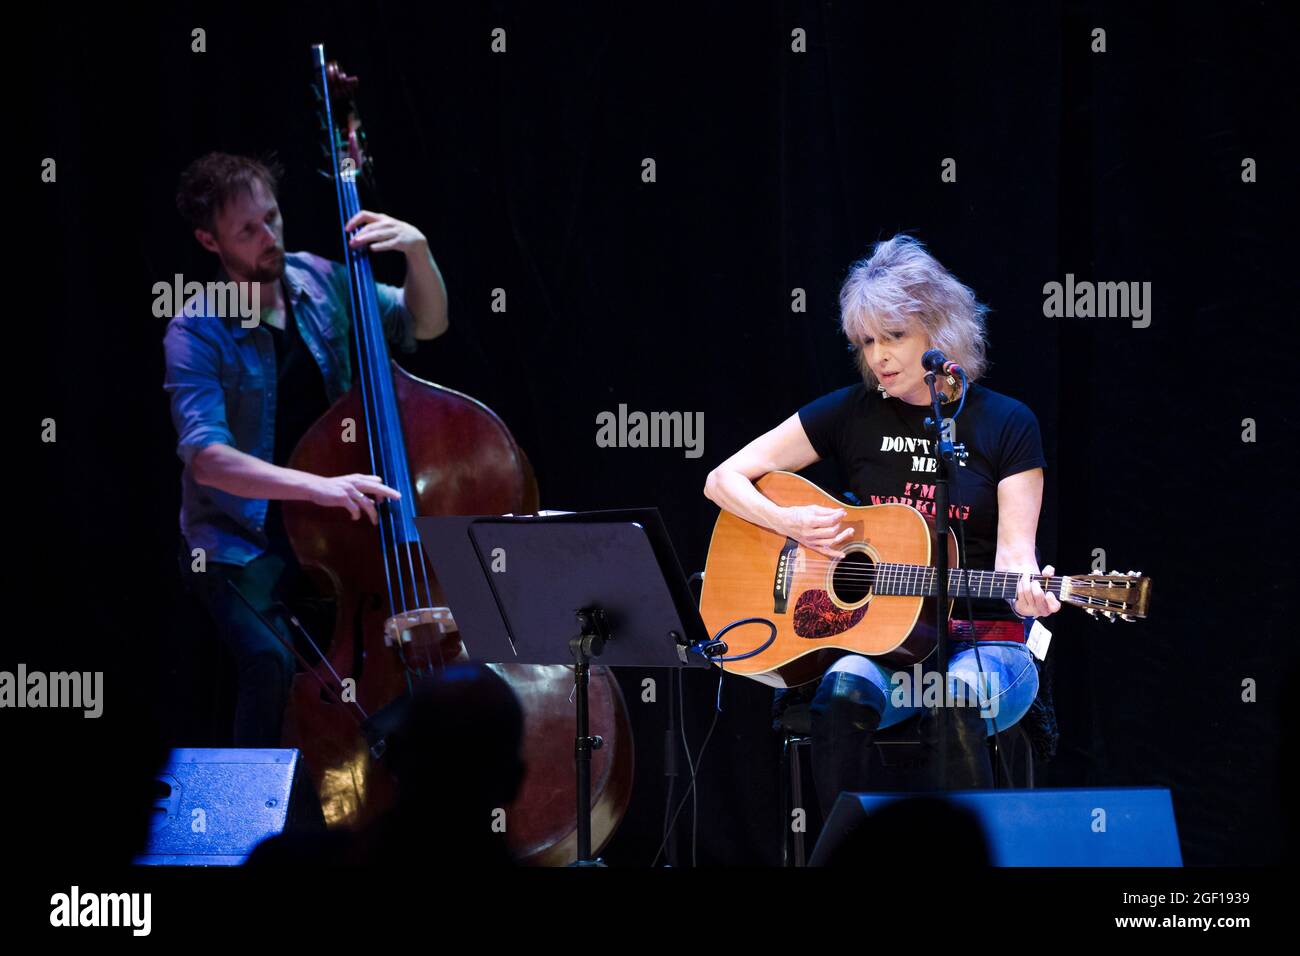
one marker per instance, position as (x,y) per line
(447,454)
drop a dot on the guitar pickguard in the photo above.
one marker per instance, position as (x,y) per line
(816,615)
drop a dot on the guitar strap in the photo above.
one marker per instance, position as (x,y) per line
(987,630)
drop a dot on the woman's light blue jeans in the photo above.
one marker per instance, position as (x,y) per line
(1009,684)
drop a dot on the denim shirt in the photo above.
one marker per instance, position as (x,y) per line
(221,378)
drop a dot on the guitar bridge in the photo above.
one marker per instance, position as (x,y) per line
(784,575)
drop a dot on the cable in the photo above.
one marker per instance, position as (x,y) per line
(970,609)
(979,664)
(965,387)
(670,755)
(694,766)
(702,650)
(717,639)
(675,699)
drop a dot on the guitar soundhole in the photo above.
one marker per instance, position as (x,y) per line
(853,577)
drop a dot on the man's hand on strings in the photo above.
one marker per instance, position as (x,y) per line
(381,233)
(357,493)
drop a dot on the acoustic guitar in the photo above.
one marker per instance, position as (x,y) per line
(877,600)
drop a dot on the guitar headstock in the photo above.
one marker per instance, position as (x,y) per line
(1126,596)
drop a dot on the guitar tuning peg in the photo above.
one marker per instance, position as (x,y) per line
(1090,611)
(1110,616)
(1127,617)
(1113,573)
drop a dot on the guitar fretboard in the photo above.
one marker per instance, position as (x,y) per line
(915,580)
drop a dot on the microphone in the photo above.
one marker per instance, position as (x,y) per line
(935,361)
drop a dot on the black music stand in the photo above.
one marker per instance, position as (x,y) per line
(517,586)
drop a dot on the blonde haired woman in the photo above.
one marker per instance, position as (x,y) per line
(895,305)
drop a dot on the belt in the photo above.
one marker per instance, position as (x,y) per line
(987,631)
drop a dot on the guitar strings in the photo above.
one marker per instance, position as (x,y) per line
(884,575)
(909,571)
(888,567)
(920,570)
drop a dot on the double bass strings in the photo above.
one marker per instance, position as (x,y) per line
(390,428)
(383,426)
(354,297)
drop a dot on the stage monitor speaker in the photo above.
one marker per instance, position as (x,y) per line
(1120,826)
(213,806)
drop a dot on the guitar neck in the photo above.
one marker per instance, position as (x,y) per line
(915,580)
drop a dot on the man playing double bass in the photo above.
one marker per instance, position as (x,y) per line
(241,398)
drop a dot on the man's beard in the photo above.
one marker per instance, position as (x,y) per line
(265,270)
(259,270)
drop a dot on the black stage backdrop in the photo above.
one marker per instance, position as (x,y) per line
(775,169)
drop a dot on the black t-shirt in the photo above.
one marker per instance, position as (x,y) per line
(886,457)
(300,399)
(300,396)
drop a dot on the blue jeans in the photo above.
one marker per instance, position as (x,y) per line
(1009,686)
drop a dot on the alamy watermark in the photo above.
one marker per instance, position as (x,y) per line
(651,430)
(75,908)
(83,690)
(1098,300)
(916,689)
(225,300)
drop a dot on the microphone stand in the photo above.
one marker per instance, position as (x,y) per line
(944,457)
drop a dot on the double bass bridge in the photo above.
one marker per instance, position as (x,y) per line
(421,633)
